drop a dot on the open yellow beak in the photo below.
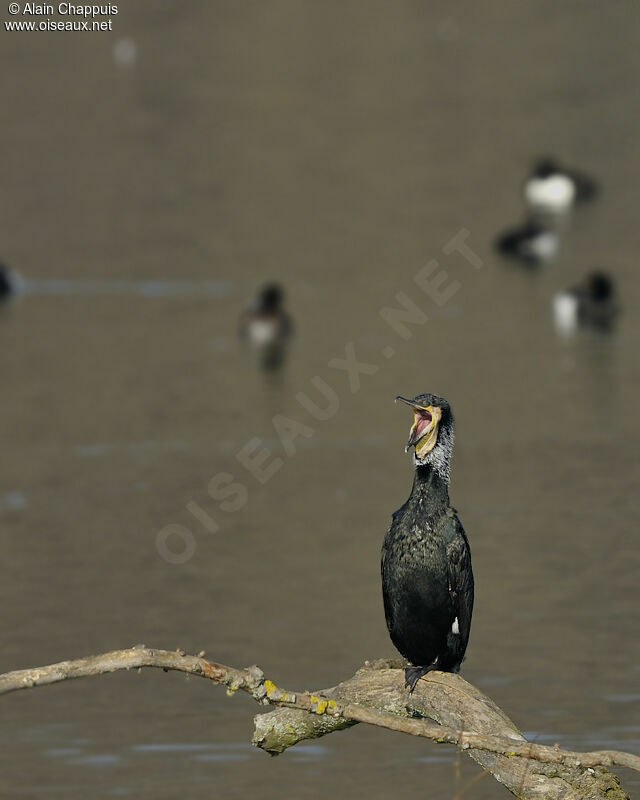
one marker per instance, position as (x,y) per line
(424,431)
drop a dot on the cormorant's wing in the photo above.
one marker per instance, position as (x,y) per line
(460,577)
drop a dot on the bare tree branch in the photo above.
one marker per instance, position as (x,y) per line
(443,708)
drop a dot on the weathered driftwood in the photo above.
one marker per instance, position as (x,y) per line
(443,708)
(527,769)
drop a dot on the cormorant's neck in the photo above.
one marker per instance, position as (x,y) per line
(429,482)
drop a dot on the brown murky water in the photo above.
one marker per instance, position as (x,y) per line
(336,147)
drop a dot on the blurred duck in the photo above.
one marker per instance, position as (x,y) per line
(554,190)
(592,303)
(533,243)
(267,327)
(9,282)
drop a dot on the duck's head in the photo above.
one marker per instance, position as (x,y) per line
(600,286)
(545,167)
(270,297)
(432,432)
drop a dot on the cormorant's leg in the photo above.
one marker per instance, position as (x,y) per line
(413,674)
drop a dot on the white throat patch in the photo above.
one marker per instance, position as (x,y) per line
(440,457)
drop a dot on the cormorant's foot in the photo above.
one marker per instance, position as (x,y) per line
(413,674)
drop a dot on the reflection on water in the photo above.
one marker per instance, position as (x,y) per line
(180,751)
(179,747)
(96,760)
(62,752)
(607,739)
(13,501)
(334,150)
(147,288)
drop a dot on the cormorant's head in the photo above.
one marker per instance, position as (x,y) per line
(432,432)
(270,297)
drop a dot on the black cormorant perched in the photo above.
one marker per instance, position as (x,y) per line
(591,303)
(427,581)
(533,243)
(267,327)
(553,189)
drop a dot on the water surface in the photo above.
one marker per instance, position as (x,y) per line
(336,148)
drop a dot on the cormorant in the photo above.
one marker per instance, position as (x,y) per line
(552,189)
(532,243)
(427,581)
(591,303)
(267,327)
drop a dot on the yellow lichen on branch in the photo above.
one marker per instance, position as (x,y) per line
(444,708)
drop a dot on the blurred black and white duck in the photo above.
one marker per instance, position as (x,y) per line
(267,327)
(554,189)
(591,303)
(532,243)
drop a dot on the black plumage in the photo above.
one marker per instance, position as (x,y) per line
(7,282)
(427,580)
(533,242)
(593,303)
(585,187)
